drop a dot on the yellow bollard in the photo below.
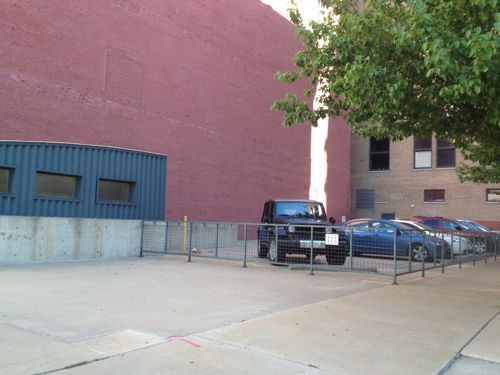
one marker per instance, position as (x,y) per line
(185,234)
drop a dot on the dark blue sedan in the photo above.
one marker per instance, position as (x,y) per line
(377,237)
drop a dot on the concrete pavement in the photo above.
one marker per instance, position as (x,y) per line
(162,315)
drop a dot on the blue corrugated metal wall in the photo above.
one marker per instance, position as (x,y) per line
(91,163)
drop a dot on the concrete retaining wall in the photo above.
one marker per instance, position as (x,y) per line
(25,239)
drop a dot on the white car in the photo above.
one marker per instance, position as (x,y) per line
(459,244)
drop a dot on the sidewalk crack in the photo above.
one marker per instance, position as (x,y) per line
(458,354)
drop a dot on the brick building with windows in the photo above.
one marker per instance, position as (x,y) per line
(416,177)
(191,81)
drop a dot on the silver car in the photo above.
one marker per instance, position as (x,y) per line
(459,244)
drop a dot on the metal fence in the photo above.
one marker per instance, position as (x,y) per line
(384,251)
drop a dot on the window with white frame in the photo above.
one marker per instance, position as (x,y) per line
(422,150)
(493,195)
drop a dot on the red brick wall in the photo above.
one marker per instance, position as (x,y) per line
(190,79)
(491,224)
(338,175)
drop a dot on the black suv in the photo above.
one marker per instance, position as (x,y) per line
(296,227)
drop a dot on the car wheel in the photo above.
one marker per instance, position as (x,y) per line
(276,255)
(480,247)
(308,257)
(263,251)
(337,259)
(419,252)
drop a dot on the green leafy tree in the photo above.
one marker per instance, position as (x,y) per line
(400,68)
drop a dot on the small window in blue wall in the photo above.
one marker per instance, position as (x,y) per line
(56,185)
(5,179)
(115,191)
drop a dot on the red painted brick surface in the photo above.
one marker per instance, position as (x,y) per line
(338,177)
(189,79)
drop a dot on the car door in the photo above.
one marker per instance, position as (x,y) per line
(361,234)
(265,230)
(382,240)
(433,223)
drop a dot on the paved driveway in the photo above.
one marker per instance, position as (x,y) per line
(160,315)
(50,309)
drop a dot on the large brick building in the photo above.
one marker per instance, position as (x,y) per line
(416,177)
(192,80)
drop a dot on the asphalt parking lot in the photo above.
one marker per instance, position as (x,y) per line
(161,314)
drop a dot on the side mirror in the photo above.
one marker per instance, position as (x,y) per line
(398,232)
(458,228)
(332,220)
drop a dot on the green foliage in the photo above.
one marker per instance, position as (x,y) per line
(398,68)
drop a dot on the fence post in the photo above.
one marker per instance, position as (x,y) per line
(409,251)
(185,234)
(311,255)
(442,252)
(245,246)
(350,248)
(394,248)
(423,254)
(217,240)
(486,247)
(497,243)
(474,252)
(435,248)
(166,238)
(190,240)
(142,238)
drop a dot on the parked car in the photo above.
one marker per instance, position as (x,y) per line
(492,236)
(377,236)
(459,244)
(475,225)
(475,236)
(294,226)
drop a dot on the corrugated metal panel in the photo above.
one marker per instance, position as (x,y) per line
(146,171)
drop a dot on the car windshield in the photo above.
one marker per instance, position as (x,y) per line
(410,226)
(468,225)
(421,226)
(301,210)
(478,226)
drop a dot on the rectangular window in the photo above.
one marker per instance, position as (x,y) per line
(116,191)
(365,198)
(5,179)
(433,223)
(445,154)
(56,185)
(422,148)
(379,154)
(388,215)
(493,195)
(436,195)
